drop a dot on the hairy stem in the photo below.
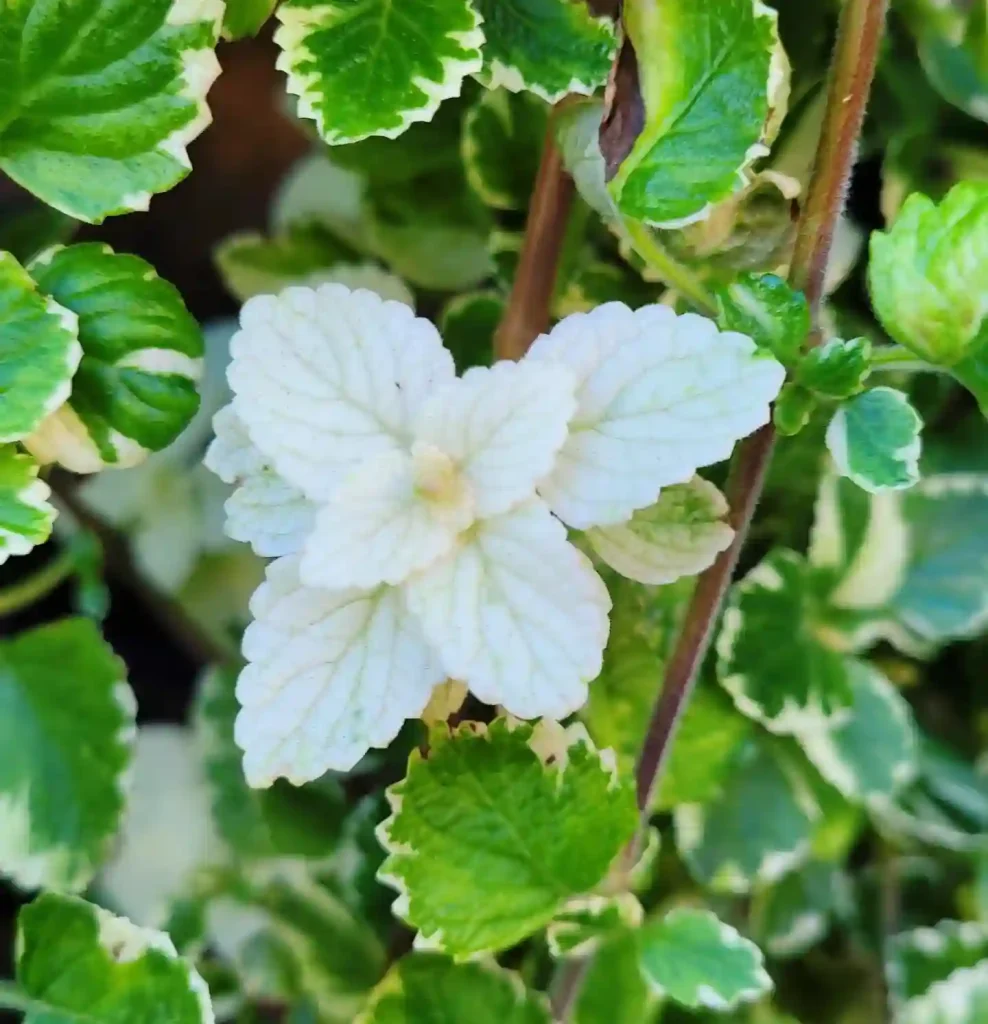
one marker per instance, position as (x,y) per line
(527,313)
(39,584)
(859,37)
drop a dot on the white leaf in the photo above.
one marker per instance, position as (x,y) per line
(325,379)
(517,613)
(330,675)
(680,535)
(264,511)
(503,426)
(659,396)
(381,525)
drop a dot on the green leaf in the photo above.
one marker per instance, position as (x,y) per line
(729,842)
(768,311)
(549,47)
(135,390)
(875,440)
(918,959)
(871,753)
(961,998)
(502,143)
(66,728)
(424,987)
(928,274)
(583,923)
(680,535)
(592,282)
(144,74)
(795,914)
(793,409)
(468,323)
(698,961)
(246,17)
(497,829)
(39,352)
(282,820)
(614,990)
(80,964)
(644,625)
(252,264)
(373,67)
(25,516)
(714,82)
(577,127)
(770,656)
(708,743)
(836,369)
(33,230)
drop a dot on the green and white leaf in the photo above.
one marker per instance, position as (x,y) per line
(548,47)
(766,308)
(836,369)
(696,960)
(875,440)
(614,990)
(872,754)
(66,729)
(146,78)
(502,142)
(424,987)
(680,535)
(928,275)
(729,842)
(918,959)
(26,517)
(39,352)
(135,389)
(795,913)
(770,657)
(961,998)
(246,17)
(373,67)
(281,821)
(577,127)
(587,921)
(468,323)
(77,962)
(498,829)
(714,81)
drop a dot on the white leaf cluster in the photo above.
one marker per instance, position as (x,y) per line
(420,519)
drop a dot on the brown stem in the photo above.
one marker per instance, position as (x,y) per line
(527,315)
(859,38)
(202,648)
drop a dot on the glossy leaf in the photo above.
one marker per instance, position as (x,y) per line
(765,308)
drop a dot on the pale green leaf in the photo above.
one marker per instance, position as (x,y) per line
(771,657)
(502,142)
(729,842)
(875,440)
(714,83)
(871,753)
(577,127)
(696,960)
(549,47)
(80,964)
(246,17)
(793,915)
(467,324)
(497,829)
(917,959)
(135,389)
(928,275)
(373,67)
(593,281)
(614,990)
(26,517)
(793,409)
(424,987)
(66,728)
(680,535)
(39,352)
(961,998)
(587,921)
(764,307)
(145,72)
(283,820)
(836,369)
